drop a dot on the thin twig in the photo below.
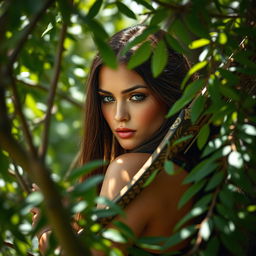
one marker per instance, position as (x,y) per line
(20,179)
(46,89)
(26,33)
(52,93)
(20,114)
(207,217)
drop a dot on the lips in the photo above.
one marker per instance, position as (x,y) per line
(125,133)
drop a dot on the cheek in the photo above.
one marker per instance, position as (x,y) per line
(151,114)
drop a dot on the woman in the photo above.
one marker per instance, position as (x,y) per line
(124,122)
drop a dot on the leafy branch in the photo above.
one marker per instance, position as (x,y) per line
(52,92)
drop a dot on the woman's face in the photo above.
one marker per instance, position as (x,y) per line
(129,107)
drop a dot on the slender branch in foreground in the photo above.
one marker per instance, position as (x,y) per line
(46,89)
(27,32)
(19,112)
(21,179)
(52,93)
(207,217)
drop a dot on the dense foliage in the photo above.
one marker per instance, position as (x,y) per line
(46,49)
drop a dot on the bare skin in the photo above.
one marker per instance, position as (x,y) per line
(154,211)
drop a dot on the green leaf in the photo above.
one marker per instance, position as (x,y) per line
(97,29)
(180,236)
(206,229)
(125,229)
(187,96)
(159,59)
(194,189)
(158,16)
(193,70)
(106,53)
(204,201)
(169,167)
(231,78)
(4,162)
(203,136)
(85,169)
(49,28)
(212,247)
(233,246)
(196,211)
(140,55)
(113,235)
(180,140)
(88,184)
(175,45)
(145,4)
(125,10)
(150,178)
(180,31)
(216,179)
(195,25)
(111,205)
(94,9)
(203,169)
(139,39)
(197,108)
(199,43)
(229,92)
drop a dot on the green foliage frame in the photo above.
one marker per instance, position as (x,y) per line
(45,50)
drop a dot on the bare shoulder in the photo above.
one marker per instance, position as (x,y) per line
(120,172)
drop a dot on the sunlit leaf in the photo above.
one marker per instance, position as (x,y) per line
(94,9)
(125,10)
(114,235)
(199,43)
(193,70)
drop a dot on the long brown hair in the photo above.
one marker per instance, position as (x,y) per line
(97,141)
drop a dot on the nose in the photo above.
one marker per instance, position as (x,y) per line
(122,112)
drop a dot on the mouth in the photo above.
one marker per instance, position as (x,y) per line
(125,133)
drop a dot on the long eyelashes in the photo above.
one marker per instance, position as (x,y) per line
(138,97)
(107,98)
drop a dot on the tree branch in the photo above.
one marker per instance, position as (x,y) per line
(36,169)
(18,110)
(52,93)
(45,89)
(208,216)
(26,33)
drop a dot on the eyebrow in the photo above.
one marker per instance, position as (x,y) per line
(126,90)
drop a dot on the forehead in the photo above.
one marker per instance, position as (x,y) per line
(122,77)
